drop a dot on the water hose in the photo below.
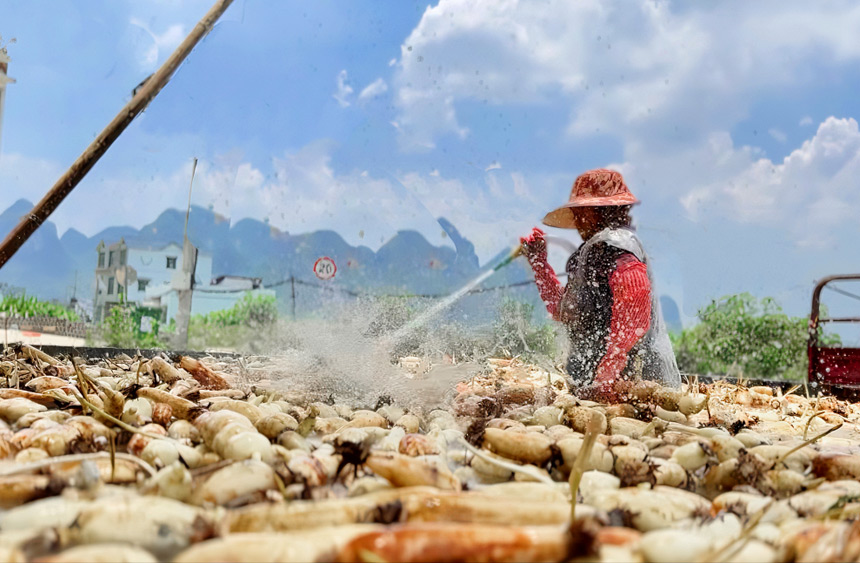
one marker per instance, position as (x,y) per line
(515,252)
(518,250)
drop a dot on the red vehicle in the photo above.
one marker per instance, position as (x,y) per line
(832,366)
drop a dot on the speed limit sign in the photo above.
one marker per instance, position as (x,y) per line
(325,268)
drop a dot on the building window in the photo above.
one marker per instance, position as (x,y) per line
(141,285)
(171,262)
(110,286)
(122,257)
(111,258)
(101,259)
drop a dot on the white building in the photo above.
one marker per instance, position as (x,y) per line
(145,276)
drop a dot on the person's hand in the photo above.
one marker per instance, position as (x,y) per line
(534,246)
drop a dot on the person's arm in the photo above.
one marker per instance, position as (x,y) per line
(550,289)
(631,317)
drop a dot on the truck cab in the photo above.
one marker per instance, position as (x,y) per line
(833,366)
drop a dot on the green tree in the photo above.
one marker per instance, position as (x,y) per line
(242,327)
(121,329)
(739,334)
(251,311)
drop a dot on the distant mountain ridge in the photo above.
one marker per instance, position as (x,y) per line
(47,264)
(407,263)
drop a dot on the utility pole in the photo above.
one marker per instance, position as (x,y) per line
(184,281)
(96,317)
(4,80)
(293,295)
(73,302)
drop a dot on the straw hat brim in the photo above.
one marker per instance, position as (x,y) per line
(563,217)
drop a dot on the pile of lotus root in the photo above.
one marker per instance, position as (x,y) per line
(180,459)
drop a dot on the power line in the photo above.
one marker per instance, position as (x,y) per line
(843,292)
(354,293)
(399,295)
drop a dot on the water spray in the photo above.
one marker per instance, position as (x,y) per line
(342,359)
(422,319)
(453,298)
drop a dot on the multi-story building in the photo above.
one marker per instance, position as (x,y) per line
(146,276)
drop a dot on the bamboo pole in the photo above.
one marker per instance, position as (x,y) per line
(76,172)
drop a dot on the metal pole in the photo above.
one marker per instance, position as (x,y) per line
(189,268)
(96,318)
(145,94)
(188,209)
(184,294)
(4,80)
(293,295)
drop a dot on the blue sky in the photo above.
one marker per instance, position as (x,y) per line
(735,123)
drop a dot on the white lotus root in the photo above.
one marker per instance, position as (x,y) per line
(148,460)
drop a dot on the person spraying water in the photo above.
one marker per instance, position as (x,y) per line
(609,305)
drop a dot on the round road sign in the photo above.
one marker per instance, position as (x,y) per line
(325,268)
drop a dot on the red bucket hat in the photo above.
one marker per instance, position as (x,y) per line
(595,188)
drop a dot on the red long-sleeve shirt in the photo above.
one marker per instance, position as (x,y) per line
(631,315)
(631,310)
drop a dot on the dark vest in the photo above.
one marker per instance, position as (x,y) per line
(586,310)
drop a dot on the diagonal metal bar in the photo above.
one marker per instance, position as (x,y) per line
(842,292)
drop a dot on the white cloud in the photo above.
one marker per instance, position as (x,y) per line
(162,45)
(714,181)
(777,134)
(806,120)
(737,221)
(809,198)
(811,193)
(493,166)
(344,90)
(374,89)
(301,192)
(494,211)
(636,69)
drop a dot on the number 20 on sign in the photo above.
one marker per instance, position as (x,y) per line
(325,268)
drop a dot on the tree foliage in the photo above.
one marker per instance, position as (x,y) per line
(24,306)
(739,334)
(246,326)
(251,311)
(121,329)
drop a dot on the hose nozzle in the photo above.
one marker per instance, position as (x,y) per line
(515,253)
